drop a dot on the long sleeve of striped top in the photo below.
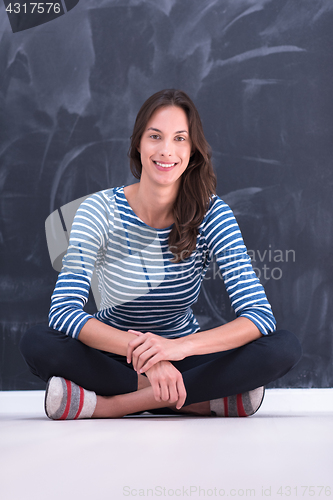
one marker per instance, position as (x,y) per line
(225,242)
(140,287)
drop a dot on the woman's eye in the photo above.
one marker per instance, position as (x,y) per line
(154,136)
(179,138)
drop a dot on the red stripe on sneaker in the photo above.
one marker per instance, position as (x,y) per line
(240,407)
(81,404)
(226,411)
(69,397)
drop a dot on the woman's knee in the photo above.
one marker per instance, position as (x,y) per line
(35,344)
(287,347)
(43,348)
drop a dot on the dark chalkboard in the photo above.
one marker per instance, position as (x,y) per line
(260,72)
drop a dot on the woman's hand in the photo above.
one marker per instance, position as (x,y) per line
(167,383)
(148,349)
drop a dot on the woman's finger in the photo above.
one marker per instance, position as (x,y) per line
(141,354)
(146,355)
(181,393)
(133,344)
(164,388)
(173,392)
(156,389)
(136,332)
(155,358)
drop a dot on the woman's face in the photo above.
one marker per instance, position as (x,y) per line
(165,146)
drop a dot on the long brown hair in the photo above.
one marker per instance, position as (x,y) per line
(198,181)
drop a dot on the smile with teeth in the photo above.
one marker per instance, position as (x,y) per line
(164,165)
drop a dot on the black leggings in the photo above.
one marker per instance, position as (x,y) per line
(49,352)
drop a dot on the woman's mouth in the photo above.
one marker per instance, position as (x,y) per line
(163,165)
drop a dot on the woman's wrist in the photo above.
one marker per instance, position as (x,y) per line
(185,346)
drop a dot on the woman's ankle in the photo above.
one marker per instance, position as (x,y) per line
(106,407)
(124,404)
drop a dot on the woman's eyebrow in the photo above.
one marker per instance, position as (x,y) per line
(157,130)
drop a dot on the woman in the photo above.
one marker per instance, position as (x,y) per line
(151,243)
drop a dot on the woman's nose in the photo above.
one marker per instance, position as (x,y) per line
(167,148)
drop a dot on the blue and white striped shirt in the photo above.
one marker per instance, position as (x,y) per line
(140,288)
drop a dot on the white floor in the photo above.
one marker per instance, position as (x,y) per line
(285,451)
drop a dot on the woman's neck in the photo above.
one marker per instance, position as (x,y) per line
(152,205)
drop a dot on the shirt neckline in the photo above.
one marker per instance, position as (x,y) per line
(130,209)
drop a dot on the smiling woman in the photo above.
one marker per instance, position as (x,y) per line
(165,150)
(151,244)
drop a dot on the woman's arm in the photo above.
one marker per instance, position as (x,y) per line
(104,337)
(148,349)
(88,239)
(238,332)
(225,243)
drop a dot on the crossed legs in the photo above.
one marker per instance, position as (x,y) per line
(120,392)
